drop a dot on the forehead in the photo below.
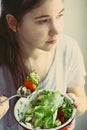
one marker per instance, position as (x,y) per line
(49,7)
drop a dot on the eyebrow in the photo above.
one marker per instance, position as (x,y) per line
(42,16)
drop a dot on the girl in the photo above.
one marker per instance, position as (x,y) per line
(31,39)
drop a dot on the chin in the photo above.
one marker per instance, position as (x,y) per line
(50,48)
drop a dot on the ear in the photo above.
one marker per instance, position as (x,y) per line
(12,22)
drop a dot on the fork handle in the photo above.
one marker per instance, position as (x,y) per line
(7,99)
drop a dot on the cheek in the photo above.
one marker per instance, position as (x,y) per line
(33,33)
(40,34)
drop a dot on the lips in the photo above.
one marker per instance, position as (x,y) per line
(52,41)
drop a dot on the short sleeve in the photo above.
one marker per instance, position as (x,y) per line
(76,68)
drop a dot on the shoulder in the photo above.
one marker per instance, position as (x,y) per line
(67,42)
(68,45)
(69,51)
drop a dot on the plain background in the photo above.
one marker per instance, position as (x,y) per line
(75,19)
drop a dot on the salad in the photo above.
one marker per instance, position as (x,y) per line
(31,83)
(49,109)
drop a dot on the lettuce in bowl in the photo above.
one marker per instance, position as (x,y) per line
(46,109)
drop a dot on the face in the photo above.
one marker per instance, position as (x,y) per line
(42,27)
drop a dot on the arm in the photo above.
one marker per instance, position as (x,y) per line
(76,79)
(79,97)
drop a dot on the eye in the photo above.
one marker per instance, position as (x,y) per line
(44,21)
(59,16)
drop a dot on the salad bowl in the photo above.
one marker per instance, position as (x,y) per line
(45,110)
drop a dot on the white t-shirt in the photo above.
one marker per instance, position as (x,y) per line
(67,70)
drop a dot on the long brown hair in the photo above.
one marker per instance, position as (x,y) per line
(10,55)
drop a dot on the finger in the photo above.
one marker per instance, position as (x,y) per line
(71,126)
(76,100)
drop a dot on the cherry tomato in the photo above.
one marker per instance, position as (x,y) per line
(29,85)
(64,128)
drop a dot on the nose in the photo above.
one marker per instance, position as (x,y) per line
(53,29)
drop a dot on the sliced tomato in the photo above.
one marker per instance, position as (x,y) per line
(29,85)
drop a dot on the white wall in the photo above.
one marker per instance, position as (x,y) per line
(76,26)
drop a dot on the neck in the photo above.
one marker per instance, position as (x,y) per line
(33,54)
(38,60)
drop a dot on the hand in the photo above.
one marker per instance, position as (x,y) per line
(3,107)
(76,100)
(71,126)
